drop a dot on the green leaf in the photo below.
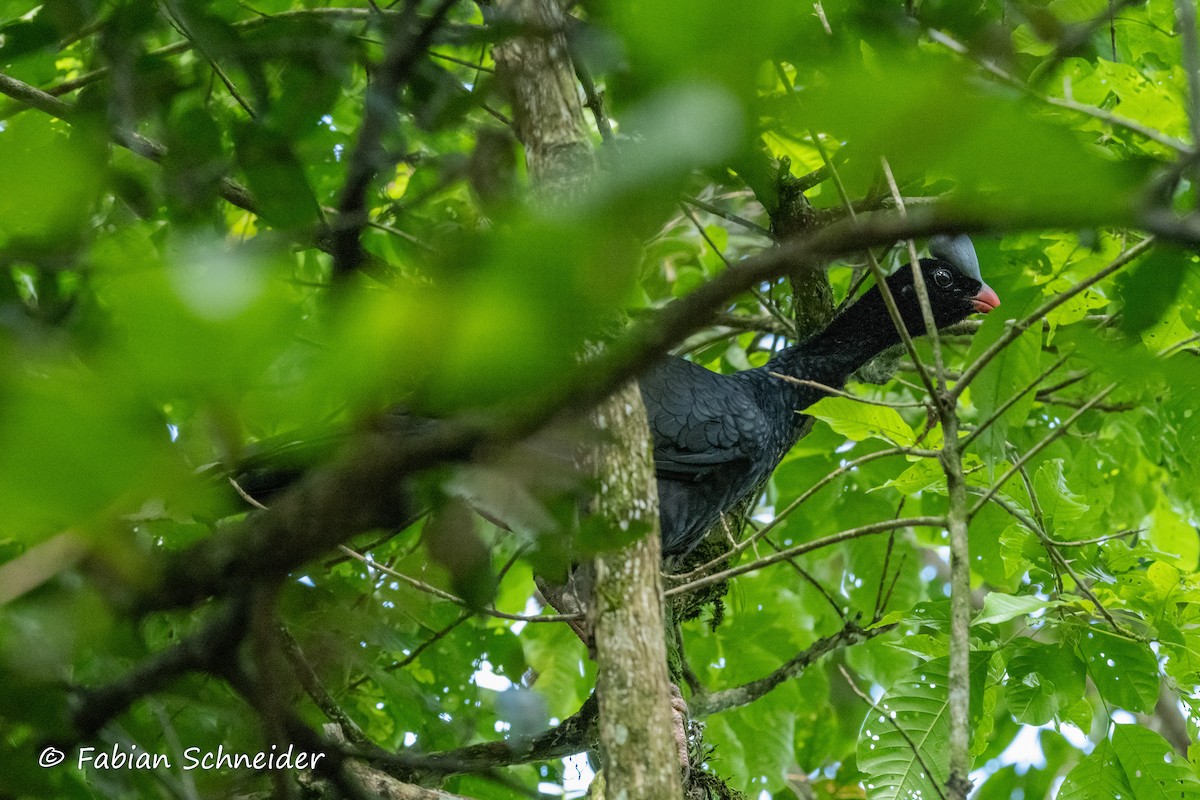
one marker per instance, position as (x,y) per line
(1152,767)
(760,740)
(1145,98)
(1079,714)
(859,421)
(1174,537)
(1150,287)
(1042,681)
(1097,777)
(903,747)
(1059,503)
(1000,607)
(276,178)
(1019,549)
(925,474)
(1124,671)
(557,658)
(34,210)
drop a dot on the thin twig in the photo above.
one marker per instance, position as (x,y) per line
(807,547)
(759,323)
(462,62)
(316,689)
(931,330)
(806,575)
(1051,549)
(593,100)
(444,595)
(1036,316)
(404,51)
(1045,442)
(738,696)
(181,26)
(746,543)
(1071,379)
(416,652)
(1099,539)
(877,271)
(1071,402)
(728,215)
(1111,119)
(847,395)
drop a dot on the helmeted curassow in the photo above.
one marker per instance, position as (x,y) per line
(718,437)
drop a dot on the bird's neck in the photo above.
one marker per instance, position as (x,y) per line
(853,338)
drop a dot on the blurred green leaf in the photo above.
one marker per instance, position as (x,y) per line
(72,445)
(1150,287)
(36,212)
(901,111)
(28,35)
(276,177)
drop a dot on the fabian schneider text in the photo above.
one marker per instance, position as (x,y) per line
(131,758)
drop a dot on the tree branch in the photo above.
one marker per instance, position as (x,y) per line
(852,633)
(209,648)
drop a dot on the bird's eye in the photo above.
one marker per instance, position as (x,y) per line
(942,278)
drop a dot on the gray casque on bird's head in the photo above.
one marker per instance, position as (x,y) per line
(957,251)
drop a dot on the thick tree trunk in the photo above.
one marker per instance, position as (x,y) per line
(537,72)
(637,736)
(636,732)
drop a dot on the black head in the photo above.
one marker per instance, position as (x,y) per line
(952,278)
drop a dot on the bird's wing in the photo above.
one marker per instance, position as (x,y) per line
(701,421)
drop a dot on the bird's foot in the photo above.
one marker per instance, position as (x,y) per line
(679,716)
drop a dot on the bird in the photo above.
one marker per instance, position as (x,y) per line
(718,437)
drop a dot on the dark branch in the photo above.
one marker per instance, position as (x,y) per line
(573,735)
(852,633)
(206,649)
(404,51)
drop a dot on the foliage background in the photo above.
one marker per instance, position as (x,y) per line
(160,315)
